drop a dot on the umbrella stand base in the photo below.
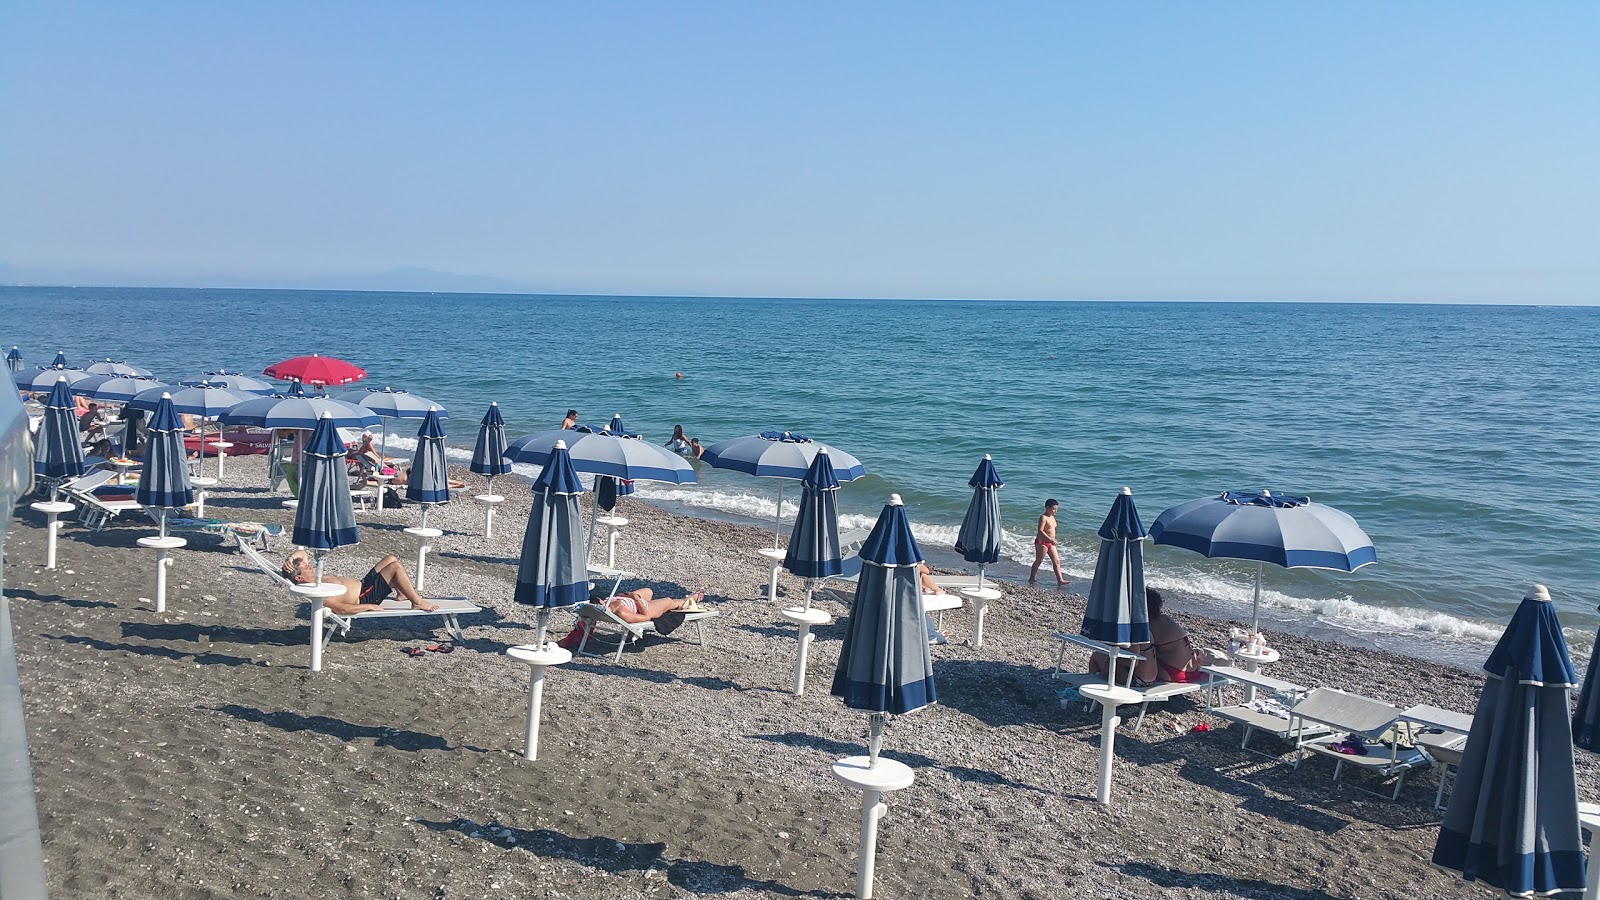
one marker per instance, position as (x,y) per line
(423,536)
(222,457)
(316,592)
(873,781)
(537,659)
(980,598)
(805,618)
(489,501)
(200,484)
(52,510)
(612,523)
(163,546)
(1109,697)
(776,555)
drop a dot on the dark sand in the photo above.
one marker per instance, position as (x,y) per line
(193,754)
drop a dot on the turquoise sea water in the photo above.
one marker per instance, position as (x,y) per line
(1463,439)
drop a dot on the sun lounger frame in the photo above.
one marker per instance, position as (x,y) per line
(96,513)
(1351,713)
(1159,692)
(597,616)
(1285,729)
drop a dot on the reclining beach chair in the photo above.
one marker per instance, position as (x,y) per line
(97,512)
(1268,711)
(254,533)
(449,609)
(1352,718)
(1159,692)
(598,617)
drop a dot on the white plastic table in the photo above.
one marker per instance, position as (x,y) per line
(612,523)
(873,781)
(316,592)
(806,619)
(383,482)
(774,555)
(222,457)
(489,501)
(200,483)
(1253,661)
(980,597)
(938,603)
(1109,697)
(537,659)
(52,510)
(122,466)
(163,547)
(423,536)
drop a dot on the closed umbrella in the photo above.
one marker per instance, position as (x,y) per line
(57,455)
(315,369)
(325,518)
(778,454)
(1116,612)
(108,367)
(609,489)
(552,572)
(429,482)
(1513,815)
(488,454)
(884,666)
(233,381)
(978,541)
(1292,532)
(60,362)
(1586,720)
(14,360)
(814,549)
(164,483)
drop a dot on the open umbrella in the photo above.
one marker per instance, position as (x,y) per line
(488,454)
(14,360)
(165,481)
(204,400)
(778,454)
(302,413)
(43,379)
(389,403)
(429,482)
(57,455)
(233,381)
(1116,611)
(117,388)
(1586,719)
(978,541)
(814,549)
(325,518)
(1292,532)
(315,369)
(884,666)
(551,572)
(1513,815)
(108,367)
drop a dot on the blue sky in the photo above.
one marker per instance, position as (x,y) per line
(1353,151)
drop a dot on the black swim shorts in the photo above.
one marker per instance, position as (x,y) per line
(374,587)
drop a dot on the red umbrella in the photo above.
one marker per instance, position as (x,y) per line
(314,369)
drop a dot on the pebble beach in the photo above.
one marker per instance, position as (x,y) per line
(193,754)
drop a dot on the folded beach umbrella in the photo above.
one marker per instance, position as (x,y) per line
(1586,720)
(488,454)
(233,381)
(107,367)
(778,454)
(552,571)
(978,541)
(429,481)
(608,489)
(60,362)
(884,666)
(57,455)
(1116,612)
(814,549)
(164,483)
(389,403)
(1292,532)
(14,360)
(316,370)
(1513,815)
(325,518)
(616,427)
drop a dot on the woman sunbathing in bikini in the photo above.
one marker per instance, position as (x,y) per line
(640,605)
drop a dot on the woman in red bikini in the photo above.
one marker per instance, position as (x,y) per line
(1178,658)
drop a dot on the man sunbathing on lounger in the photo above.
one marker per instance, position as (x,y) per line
(387,577)
(640,605)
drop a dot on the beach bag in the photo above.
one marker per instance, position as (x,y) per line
(575,636)
(392,499)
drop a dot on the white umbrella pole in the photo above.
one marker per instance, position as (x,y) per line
(777,518)
(875,739)
(980,576)
(383,441)
(319,565)
(1255,612)
(544,624)
(163,521)
(594,514)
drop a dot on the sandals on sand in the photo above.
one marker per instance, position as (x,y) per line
(435,648)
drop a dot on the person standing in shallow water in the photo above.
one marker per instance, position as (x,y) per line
(1044,543)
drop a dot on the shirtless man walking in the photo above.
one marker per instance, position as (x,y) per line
(1044,543)
(387,577)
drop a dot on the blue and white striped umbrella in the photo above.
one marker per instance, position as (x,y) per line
(1263,527)
(117,388)
(203,400)
(325,518)
(60,362)
(884,665)
(594,451)
(43,379)
(429,481)
(1513,815)
(389,403)
(233,381)
(552,571)
(14,360)
(1586,719)
(814,550)
(1116,612)
(164,484)
(488,454)
(778,454)
(57,454)
(108,367)
(978,541)
(302,413)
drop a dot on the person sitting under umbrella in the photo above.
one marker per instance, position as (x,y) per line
(403,477)
(1175,658)
(389,576)
(641,605)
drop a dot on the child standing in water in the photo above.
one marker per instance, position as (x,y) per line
(1044,542)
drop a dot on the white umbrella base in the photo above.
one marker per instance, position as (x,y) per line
(873,781)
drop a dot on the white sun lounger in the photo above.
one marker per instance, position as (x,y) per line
(97,512)
(449,609)
(1268,713)
(1361,717)
(598,616)
(1155,693)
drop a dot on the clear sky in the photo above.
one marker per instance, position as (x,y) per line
(1416,151)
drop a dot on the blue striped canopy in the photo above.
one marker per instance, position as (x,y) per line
(14,360)
(204,400)
(57,452)
(43,380)
(1116,612)
(233,381)
(117,388)
(303,413)
(778,454)
(165,481)
(488,454)
(325,517)
(978,541)
(1292,532)
(596,452)
(1513,815)
(120,369)
(429,482)
(392,404)
(552,570)
(814,550)
(884,665)
(1586,719)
